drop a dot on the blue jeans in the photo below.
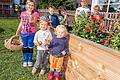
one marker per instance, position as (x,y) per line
(28,44)
(27,57)
(27,40)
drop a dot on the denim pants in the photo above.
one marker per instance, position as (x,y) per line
(28,44)
(41,59)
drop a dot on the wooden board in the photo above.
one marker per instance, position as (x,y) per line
(91,61)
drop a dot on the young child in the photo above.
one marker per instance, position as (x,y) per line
(63,16)
(97,13)
(58,49)
(81,10)
(27,29)
(40,41)
(53,19)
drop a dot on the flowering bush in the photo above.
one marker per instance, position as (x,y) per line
(92,29)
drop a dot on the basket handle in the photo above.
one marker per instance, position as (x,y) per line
(5,40)
(11,39)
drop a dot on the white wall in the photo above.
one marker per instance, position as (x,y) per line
(94,2)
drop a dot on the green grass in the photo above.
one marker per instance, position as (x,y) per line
(11,62)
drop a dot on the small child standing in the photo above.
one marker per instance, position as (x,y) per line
(58,49)
(63,17)
(53,19)
(27,29)
(81,10)
(40,41)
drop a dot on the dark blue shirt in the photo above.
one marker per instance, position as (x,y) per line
(58,45)
(54,18)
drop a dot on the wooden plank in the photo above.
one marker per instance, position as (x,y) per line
(91,61)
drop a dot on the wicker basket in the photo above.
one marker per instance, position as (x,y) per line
(14,43)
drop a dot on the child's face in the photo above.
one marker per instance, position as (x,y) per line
(43,25)
(63,12)
(30,6)
(83,4)
(96,9)
(60,33)
(51,11)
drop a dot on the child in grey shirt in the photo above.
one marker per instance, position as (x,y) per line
(40,41)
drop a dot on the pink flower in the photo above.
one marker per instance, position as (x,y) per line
(103,29)
(98,18)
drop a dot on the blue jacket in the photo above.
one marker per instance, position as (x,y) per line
(54,18)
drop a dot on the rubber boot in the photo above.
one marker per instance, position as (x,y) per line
(51,76)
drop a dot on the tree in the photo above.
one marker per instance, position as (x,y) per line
(67,3)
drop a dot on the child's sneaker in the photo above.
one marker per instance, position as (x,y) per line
(24,64)
(30,64)
(51,76)
(42,71)
(57,77)
(34,70)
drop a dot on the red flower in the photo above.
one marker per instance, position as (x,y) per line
(110,35)
(93,18)
(87,29)
(118,15)
(106,42)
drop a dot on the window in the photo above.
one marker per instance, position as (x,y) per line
(111,5)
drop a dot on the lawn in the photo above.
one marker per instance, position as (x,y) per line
(11,62)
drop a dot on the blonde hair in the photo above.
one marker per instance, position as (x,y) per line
(63,28)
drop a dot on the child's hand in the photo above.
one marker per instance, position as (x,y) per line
(50,22)
(31,18)
(63,52)
(47,41)
(38,43)
(17,33)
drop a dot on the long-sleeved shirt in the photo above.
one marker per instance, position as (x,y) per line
(81,10)
(54,19)
(42,36)
(58,45)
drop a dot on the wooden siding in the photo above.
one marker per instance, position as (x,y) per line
(91,61)
(5,1)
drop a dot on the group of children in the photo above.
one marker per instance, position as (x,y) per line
(52,46)
(85,10)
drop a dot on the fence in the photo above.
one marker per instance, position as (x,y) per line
(107,22)
(6,9)
(5,1)
(8,13)
(110,18)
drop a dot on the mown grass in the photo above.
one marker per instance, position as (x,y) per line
(11,62)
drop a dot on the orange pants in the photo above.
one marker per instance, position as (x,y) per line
(56,63)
